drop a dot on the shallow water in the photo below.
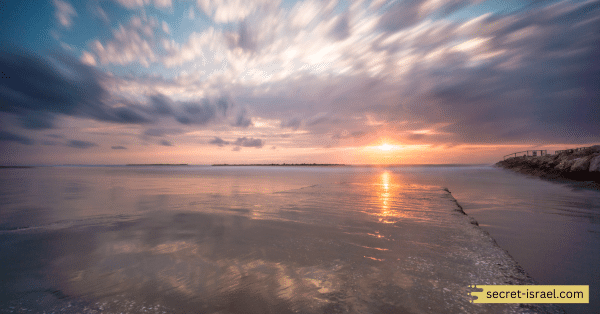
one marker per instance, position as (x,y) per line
(277,240)
(551,229)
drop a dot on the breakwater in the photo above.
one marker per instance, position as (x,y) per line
(573,164)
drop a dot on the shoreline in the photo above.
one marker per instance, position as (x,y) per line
(509,268)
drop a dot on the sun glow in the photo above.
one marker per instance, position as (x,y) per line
(385,147)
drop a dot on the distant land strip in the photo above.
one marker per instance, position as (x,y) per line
(151,165)
(281,165)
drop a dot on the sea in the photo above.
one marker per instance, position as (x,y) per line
(289,239)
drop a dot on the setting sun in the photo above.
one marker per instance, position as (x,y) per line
(386,147)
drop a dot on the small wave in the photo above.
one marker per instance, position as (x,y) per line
(64,224)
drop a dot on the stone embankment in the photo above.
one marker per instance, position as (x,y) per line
(582,165)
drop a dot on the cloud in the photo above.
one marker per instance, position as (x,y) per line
(162,104)
(88,58)
(524,75)
(36,120)
(81,144)
(158,132)
(49,143)
(218,141)
(132,43)
(242,120)
(165,27)
(163,3)
(198,46)
(293,124)
(40,87)
(520,76)
(249,142)
(191,13)
(345,135)
(403,14)
(197,112)
(64,12)
(119,147)
(225,11)
(11,137)
(319,118)
(128,114)
(341,30)
(97,10)
(243,38)
(132,4)
(223,105)
(165,143)
(531,79)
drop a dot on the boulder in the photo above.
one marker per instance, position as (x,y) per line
(565,165)
(595,164)
(581,164)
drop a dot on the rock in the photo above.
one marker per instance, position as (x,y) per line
(595,164)
(581,164)
(536,161)
(565,165)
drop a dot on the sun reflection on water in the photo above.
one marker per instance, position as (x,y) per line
(389,199)
(384,197)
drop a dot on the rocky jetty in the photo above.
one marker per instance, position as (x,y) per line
(581,165)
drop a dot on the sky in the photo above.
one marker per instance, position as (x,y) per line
(313,81)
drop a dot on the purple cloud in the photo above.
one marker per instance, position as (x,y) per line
(81,144)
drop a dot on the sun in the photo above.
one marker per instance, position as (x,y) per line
(385,147)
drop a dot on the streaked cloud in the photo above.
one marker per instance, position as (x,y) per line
(225,11)
(81,144)
(218,141)
(132,4)
(293,124)
(64,12)
(12,137)
(191,13)
(239,142)
(242,120)
(154,132)
(132,43)
(249,142)
(88,58)
(316,74)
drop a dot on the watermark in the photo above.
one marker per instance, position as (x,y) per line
(529,294)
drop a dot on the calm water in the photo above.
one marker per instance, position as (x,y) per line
(551,229)
(280,240)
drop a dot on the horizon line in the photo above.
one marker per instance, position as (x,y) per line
(241,165)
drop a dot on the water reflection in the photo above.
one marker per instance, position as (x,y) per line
(391,196)
(239,242)
(384,198)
